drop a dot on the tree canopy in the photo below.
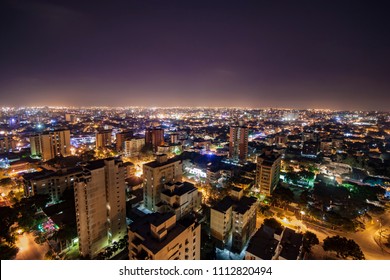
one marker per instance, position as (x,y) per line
(272,223)
(309,240)
(343,247)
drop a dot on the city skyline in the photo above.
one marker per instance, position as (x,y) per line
(219,53)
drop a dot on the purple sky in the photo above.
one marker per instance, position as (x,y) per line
(300,54)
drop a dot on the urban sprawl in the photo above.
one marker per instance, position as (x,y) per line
(194,183)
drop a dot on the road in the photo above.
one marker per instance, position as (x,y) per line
(365,239)
(29,249)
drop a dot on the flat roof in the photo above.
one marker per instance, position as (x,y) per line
(244,204)
(142,227)
(224,204)
(154,164)
(179,190)
(263,244)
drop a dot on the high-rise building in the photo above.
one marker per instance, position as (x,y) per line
(154,137)
(238,142)
(50,144)
(133,146)
(121,138)
(100,205)
(156,174)
(175,138)
(70,118)
(161,237)
(7,144)
(103,138)
(235,217)
(268,172)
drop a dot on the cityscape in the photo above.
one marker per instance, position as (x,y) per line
(194,130)
(194,183)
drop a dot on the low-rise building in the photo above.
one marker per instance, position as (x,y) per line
(234,216)
(53,183)
(161,237)
(180,198)
(275,244)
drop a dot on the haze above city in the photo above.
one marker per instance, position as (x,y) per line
(297,54)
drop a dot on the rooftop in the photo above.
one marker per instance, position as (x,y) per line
(179,189)
(263,244)
(291,244)
(224,204)
(142,227)
(155,164)
(244,204)
(44,174)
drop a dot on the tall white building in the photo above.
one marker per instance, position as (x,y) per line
(156,174)
(100,205)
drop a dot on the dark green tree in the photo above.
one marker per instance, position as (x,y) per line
(272,223)
(8,216)
(343,247)
(8,252)
(292,177)
(309,240)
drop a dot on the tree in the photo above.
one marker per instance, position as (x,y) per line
(8,216)
(292,177)
(343,247)
(307,175)
(49,255)
(309,240)
(272,223)
(8,252)
(283,194)
(65,235)
(304,197)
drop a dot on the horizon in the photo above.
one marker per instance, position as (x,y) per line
(58,107)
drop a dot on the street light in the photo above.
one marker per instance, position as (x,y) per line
(302,214)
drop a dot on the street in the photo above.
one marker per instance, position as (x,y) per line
(368,239)
(365,239)
(29,249)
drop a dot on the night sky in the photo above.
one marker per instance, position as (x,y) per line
(295,54)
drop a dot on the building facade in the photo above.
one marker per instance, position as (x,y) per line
(50,144)
(161,237)
(156,174)
(180,198)
(7,144)
(100,200)
(133,146)
(238,143)
(53,183)
(121,138)
(154,137)
(103,138)
(234,217)
(268,172)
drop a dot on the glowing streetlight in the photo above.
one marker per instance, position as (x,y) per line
(302,214)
